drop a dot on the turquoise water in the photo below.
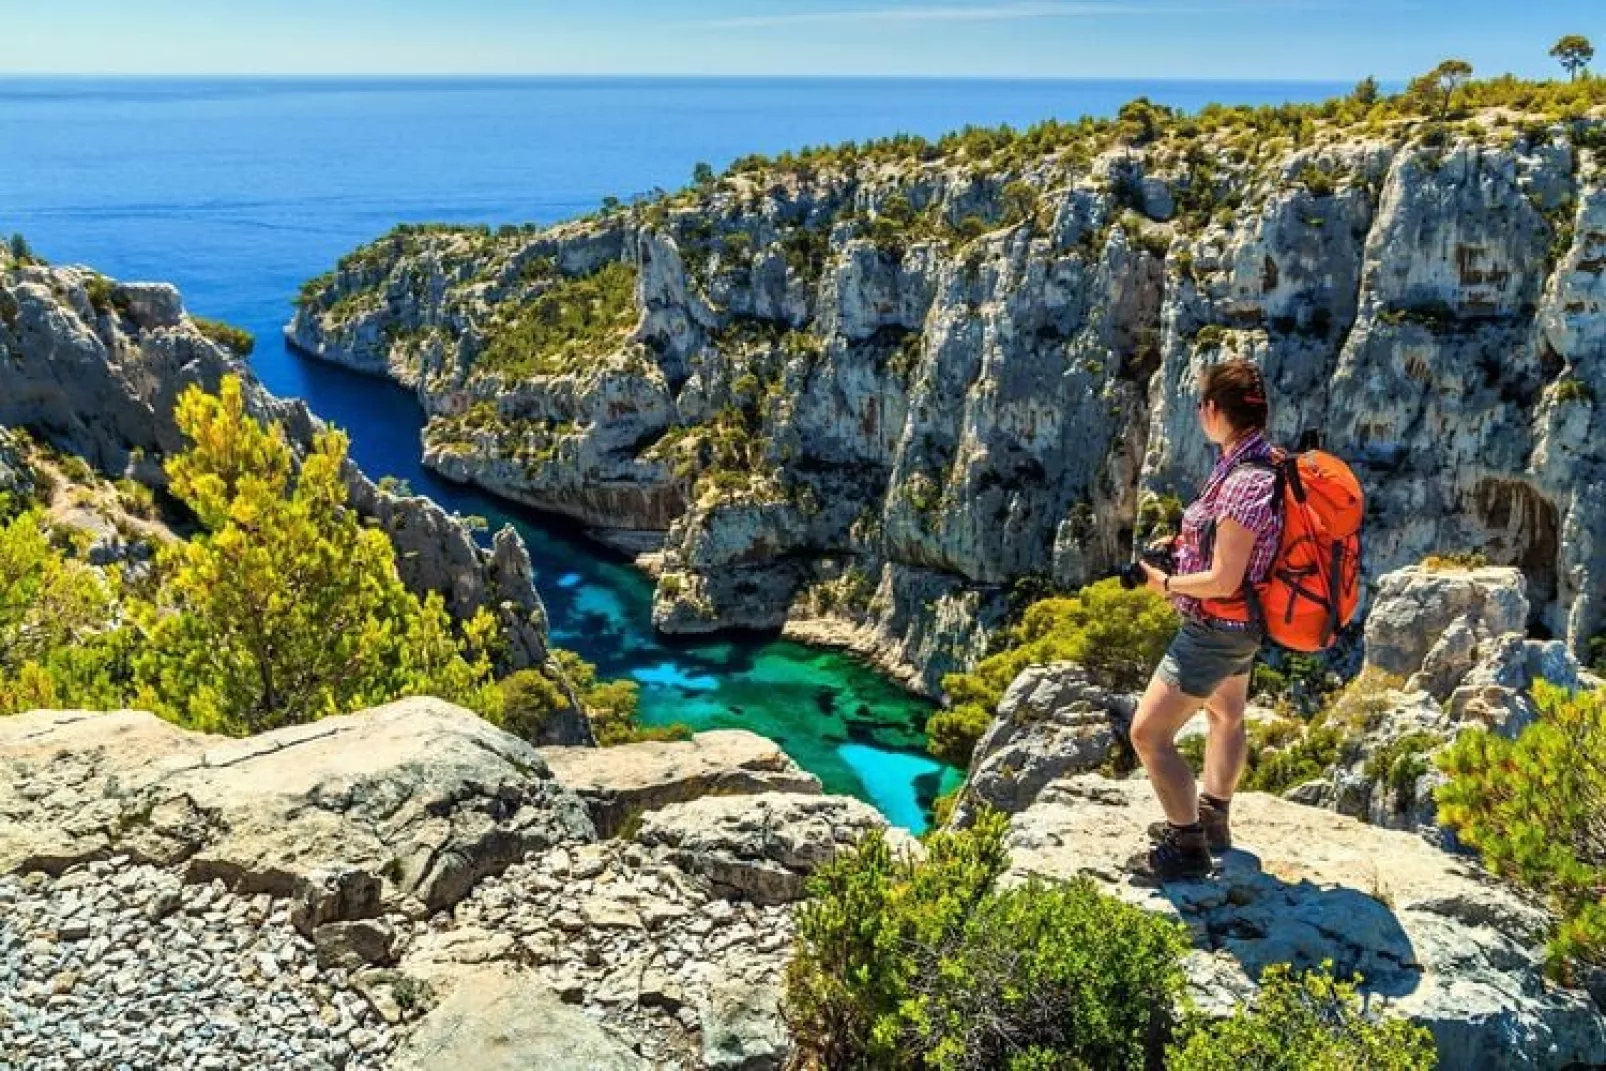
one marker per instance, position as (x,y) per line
(239,189)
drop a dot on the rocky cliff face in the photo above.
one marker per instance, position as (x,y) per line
(866,394)
(95,368)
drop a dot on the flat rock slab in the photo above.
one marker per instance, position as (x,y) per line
(495,1019)
(417,799)
(1430,933)
(620,782)
(761,848)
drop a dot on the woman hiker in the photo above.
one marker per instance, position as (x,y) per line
(1228,539)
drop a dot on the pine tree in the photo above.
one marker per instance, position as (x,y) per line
(1573,52)
(1536,808)
(51,606)
(285,608)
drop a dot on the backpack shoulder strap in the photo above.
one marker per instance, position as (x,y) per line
(1278,465)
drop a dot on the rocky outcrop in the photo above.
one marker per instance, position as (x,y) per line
(95,367)
(1432,936)
(1445,651)
(937,382)
(404,807)
(621,783)
(760,848)
(16,476)
(405,887)
(1053,721)
(510,1022)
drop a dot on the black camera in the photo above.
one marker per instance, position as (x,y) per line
(1162,558)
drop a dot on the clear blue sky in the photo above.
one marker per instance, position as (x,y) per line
(1277,39)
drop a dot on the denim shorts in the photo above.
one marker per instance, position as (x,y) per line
(1203,655)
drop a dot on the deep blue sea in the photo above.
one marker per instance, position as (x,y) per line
(239,189)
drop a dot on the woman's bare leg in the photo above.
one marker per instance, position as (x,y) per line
(1162,711)
(1226,747)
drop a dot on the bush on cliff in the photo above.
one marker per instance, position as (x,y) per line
(612,706)
(902,964)
(236,339)
(1309,1023)
(925,965)
(1117,635)
(285,608)
(50,605)
(575,321)
(1536,808)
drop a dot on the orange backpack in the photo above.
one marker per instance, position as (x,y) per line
(1313,587)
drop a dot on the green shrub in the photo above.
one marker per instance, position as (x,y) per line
(611,706)
(1288,752)
(1401,763)
(49,604)
(1159,517)
(99,289)
(1281,756)
(1312,1022)
(1450,561)
(1117,635)
(529,700)
(237,339)
(1320,182)
(923,965)
(1536,808)
(21,252)
(1020,201)
(558,330)
(1572,389)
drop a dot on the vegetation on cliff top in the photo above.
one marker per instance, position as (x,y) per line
(560,329)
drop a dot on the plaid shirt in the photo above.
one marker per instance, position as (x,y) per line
(1247,496)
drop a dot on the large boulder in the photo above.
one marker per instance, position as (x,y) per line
(630,779)
(760,848)
(1432,935)
(1052,721)
(409,803)
(743,1028)
(1426,624)
(497,1019)
(1445,651)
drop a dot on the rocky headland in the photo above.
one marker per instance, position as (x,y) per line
(866,394)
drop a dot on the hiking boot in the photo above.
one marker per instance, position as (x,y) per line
(1180,854)
(1216,822)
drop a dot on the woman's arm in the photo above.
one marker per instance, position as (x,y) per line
(1228,563)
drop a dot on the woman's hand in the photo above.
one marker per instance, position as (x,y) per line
(1156,577)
